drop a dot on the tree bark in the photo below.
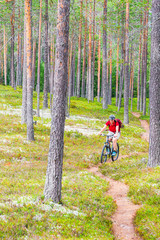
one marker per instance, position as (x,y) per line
(122,63)
(154,88)
(24,93)
(99,65)
(104,73)
(39,60)
(117,70)
(94,50)
(5,58)
(84,56)
(12,47)
(46,67)
(79,51)
(53,182)
(34,62)
(126,84)
(90,55)
(139,67)
(30,129)
(110,76)
(143,63)
(18,76)
(73,75)
(145,59)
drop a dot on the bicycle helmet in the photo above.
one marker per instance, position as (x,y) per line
(111,117)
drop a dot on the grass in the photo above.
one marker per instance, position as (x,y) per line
(85,209)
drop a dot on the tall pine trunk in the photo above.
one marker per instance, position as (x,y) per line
(139,67)
(34,62)
(53,182)
(24,93)
(126,83)
(79,51)
(117,69)
(154,86)
(110,76)
(5,57)
(30,129)
(94,50)
(46,63)
(12,47)
(104,73)
(18,75)
(99,65)
(39,60)
(122,63)
(90,55)
(145,59)
(84,55)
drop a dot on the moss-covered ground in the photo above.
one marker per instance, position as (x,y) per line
(85,208)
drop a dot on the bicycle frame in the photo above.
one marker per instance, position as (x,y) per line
(106,146)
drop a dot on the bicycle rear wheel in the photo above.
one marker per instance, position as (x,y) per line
(104,154)
(114,158)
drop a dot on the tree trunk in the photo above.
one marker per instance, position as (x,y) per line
(132,81)
(1,64)
(79,51)
(126,84)
(12,47)
(24,93)
(145,59)
(122,64)
(154,86)
(117,70)
(104,73)
(143,63)
(39,60)
(73,75)
(53,182)
(18,75)
(131,61)
(5,58)
(46,73)
(30,130)
(139,67)
(90,55)
(52,64)
(84,56)
(110,76)
(94,50)
(99,65)
(34,62)
(70,73)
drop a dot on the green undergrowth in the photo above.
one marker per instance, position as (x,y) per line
(85,209)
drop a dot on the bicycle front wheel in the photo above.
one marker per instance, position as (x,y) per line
(104,154)
(114,158)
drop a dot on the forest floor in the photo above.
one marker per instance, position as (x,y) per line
(91,192)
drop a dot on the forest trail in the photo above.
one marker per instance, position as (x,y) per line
(144,125)
(123,227)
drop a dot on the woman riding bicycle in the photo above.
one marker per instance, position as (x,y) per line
(113,129)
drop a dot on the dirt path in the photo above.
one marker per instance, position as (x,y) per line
(123,227)
(144,125)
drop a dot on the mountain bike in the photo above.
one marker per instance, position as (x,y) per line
(108,149)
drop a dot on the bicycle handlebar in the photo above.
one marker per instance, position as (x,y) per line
(107,135)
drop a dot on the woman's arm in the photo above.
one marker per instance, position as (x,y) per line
(105,126)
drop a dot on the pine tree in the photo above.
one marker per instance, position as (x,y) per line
(55,157)
(154,86)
